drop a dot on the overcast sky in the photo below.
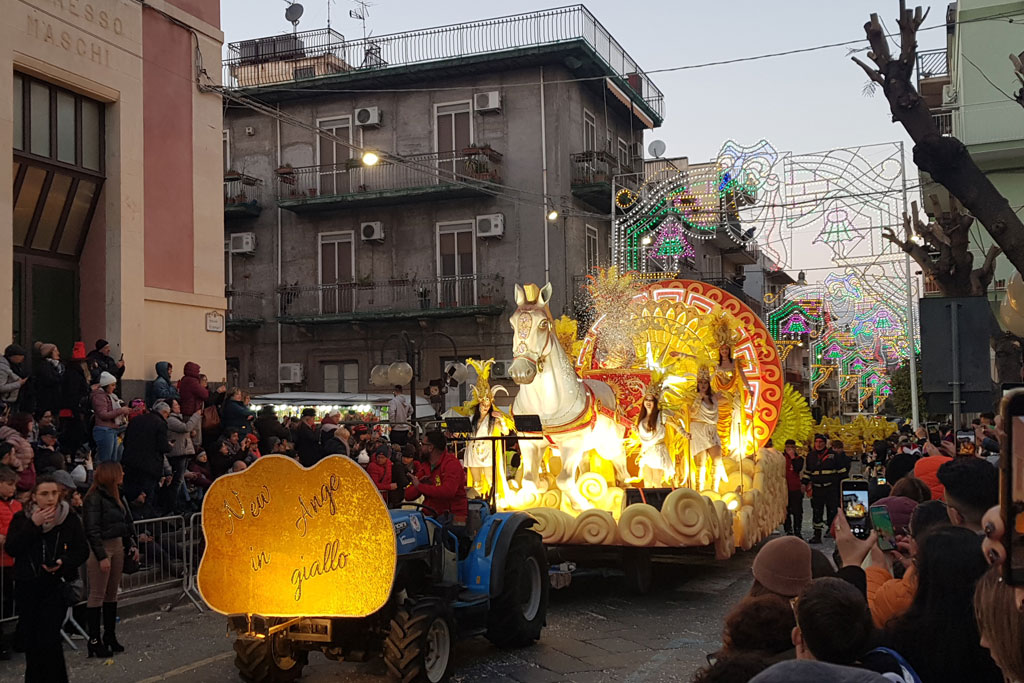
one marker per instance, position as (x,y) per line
(800,103)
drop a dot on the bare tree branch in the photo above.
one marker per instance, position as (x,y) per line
(1018,71)
(873,74)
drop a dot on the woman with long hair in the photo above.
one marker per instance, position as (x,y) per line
(655,461)
(111,533)
(48,546)
(938,634)
(1001,624)
(703,432)
(488,422)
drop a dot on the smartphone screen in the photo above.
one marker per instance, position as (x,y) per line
(882,523)
(965,442)
(855,505)
(933,433)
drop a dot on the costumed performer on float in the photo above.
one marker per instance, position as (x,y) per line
(656,464)
(730,380)
(703,431)
(488,421)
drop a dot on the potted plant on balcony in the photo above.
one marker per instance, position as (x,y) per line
(286,174)
(231,175)
(352,163)
(482,149)
(478,168)
(363,188)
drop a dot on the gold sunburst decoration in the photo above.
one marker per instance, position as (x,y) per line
(795,420)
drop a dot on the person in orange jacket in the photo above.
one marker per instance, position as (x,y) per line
(444,489)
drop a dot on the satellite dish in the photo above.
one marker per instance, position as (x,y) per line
(293,13)
(657,148)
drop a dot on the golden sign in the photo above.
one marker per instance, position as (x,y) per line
(286,541)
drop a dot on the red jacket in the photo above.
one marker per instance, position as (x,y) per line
(444,490)
(927,470)
(193,395)
(794,465)
(381,475)
(8,508)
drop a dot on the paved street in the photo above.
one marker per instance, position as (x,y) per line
(596,632)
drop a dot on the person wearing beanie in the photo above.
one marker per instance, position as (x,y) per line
(782,567)
(103,361)
(109,415)
(12,376)
(48,378)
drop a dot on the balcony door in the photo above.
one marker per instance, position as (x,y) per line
(332,155)
(337,265)
(454,132)
(456,264)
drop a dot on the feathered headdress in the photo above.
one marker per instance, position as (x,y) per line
(704,373)
(725,329)
(483,380)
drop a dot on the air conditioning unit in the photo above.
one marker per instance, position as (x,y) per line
(500,369)
(948,94)
(368,117)
(242,243)
(487,101)
(636,150)
(289,373)
(372,231)
(490,225)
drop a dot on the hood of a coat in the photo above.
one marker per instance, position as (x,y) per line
(163,370)
(191,369)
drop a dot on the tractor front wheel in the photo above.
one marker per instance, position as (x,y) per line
(517,616)
(421,644)
(269,660)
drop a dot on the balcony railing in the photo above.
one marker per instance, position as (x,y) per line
(589,168)
(244,308)
(944,122)
(243,194)
(310,54)
(736,289)
(425,171)
(931,64)
(395,298)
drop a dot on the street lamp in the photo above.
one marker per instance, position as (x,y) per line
(370,158)
(407,371)
(553,215)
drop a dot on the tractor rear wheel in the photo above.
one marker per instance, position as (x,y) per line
(421,642)
(269,660)
(517,616)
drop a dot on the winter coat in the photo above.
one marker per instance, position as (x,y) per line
(161,389)
(25,455)
(927,470)
(32,547)
(179,430)
(306,446)
(10,383)
(334,446)
(47,383)
(235,415)
(105,519)
(889,597)
(75,390)
(106,408)
(145,443)
(47,460)
(104,363)
(825,469)
(268,426)
(193,394)
(444,490)
(794,465)
(381,475)
(8,508)
(204,478)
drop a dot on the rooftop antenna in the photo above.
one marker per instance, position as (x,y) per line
(293,14)
(361,13)
(329,3)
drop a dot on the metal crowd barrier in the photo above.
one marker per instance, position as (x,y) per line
(195,545)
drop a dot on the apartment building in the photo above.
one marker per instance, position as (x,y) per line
(499,141)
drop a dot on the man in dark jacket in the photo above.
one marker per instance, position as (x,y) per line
(145,443)
(161,388)
(335,439)
(307,446)
(103,361)
(193,391)
(824,473)
(267,425)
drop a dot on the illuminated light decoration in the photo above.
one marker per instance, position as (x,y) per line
(796,324)
(625,198)
(288,541)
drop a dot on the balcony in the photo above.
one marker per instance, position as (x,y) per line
(245,309)
(736,289)
(443,175)
(591,179)
(323,58)
(932,76)
(443,297)
(944,122)
(243,195)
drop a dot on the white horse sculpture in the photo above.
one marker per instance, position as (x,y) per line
(577,415)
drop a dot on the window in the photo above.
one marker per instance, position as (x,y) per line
(592,249)
(19,112)
(57,124)
(226,151)
(337,265)
(624,155)
(609,141)
(453,133)
(341,377)
(456,264)
(332,157)
(589,132)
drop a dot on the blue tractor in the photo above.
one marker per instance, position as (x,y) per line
(491,581)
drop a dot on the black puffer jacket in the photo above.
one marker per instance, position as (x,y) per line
(105,519)
(31,547)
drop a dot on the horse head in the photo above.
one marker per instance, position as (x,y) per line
(533,332)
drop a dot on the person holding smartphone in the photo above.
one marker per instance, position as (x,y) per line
(48,546)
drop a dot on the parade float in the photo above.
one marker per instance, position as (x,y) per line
(654,420)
